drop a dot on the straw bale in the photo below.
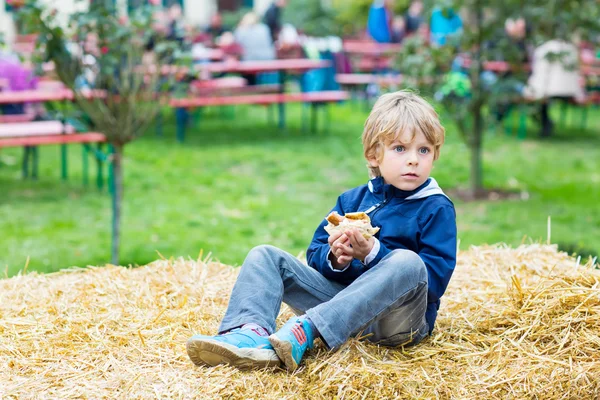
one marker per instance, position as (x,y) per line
(515,323)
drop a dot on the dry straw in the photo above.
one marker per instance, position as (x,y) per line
(515,323)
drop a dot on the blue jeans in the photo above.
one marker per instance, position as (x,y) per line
(386,304)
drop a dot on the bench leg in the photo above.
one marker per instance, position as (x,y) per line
(584,112)
(84,163)
(327,117)
(25,165)
(282,77)
(63,161)
(99,177)
(281,116)
(304,117)
(34,166)
(181,116)
(313,117)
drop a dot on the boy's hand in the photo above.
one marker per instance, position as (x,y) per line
(361,247)
(341,252)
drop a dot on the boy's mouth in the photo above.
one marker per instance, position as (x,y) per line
(410,174)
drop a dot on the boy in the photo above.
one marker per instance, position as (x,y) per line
(386,288)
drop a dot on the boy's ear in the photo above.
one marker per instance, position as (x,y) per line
(373,162)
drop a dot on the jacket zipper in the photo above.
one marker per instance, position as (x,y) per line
(376,207)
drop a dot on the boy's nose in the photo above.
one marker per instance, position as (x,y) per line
(413,159)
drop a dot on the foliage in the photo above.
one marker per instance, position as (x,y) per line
(351,16)
(232,18)
(482,39)
(99,50)
(311,17)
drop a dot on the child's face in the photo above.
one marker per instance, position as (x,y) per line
(406,164)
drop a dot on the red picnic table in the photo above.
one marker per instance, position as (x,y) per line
(208,54)
(41,96)
(18,130)
(291,65)
(256,67)
(368,47)
(374,56)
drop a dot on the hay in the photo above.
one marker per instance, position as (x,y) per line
(515,323)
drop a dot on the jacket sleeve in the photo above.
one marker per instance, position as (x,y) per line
(317,252)
(437,249)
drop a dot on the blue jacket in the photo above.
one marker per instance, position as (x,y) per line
(422,220)
(378,23)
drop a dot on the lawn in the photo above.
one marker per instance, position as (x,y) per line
(238,182)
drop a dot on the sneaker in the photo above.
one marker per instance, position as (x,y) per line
(291,341)
(242,348)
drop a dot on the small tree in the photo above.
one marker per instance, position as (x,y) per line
(102,51)
(468,98)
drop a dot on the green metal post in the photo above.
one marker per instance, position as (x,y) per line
(34,166)
(584,112)
(25,166)
(63,161)
(327,118)
(304,118)
(313,117)
(99,178)
(85,149)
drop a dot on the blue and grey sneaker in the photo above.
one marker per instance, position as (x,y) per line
(291,341)
(242,348)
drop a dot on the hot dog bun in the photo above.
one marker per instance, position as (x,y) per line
(356,220)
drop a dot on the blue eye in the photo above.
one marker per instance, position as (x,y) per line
(399,149)
(424,150)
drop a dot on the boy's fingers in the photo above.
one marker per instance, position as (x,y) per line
(346,249)
(334,236)
(344,259)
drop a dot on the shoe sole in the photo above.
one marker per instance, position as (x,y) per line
(283,348)
(212,353)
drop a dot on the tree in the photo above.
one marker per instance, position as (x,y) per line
(102,51)
(471,97)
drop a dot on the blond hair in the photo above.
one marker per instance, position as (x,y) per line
(394,114)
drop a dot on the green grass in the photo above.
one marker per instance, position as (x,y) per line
(238,182)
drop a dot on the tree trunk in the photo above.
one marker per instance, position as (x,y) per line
(117,197)
(476,148)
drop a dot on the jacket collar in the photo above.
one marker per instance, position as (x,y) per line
(378,187)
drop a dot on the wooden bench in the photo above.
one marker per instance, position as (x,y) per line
(29,135)
(314,98)
(366,79)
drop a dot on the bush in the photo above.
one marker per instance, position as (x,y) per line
(311,17)
(351,16)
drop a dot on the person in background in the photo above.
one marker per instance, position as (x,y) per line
(553,78)
(379,21)
(255,39)
(16,77)
(414,17)
(175,31)
(398,29)
(444,22)
(215,28)
(272,18)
